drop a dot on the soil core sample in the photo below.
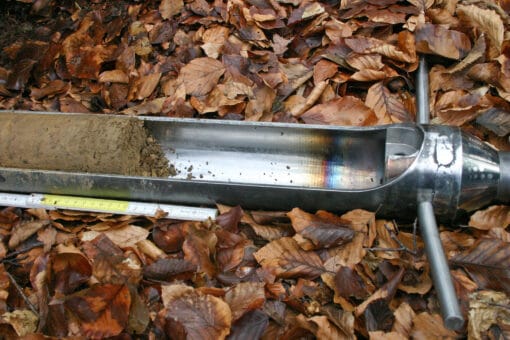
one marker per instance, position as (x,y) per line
(95,144)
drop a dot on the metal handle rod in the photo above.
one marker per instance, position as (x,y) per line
(422,93)
(438,264)
(439,267)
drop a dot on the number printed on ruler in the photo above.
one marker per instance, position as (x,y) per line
(85,203)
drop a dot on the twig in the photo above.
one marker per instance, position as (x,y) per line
(20,292)
(402,246)
(9,256)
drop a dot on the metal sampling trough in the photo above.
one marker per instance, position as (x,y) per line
(281,166)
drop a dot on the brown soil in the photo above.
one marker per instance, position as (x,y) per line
(110,145)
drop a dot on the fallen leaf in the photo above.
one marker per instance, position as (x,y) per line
(251,325)
(23,321)
(169,270)
(124,237)
(286,259)
(404,316)
(349,111)
(385,292)
(487,309)
(488,263)
(169,8)
(200,75)
(496,216)
(102,310)
(430,326)
(436,39)
(486,20)
(113,76)
(70,269)
(24,230)
(349,283)
(54,87)
(196,316)
(384,103)
(322,328)
(245,297)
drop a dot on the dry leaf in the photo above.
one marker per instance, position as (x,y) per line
(486,20)
(195,316)
(488,263)
(496,216)
(436,39)
(286,259)
(102,310)
(124,237)
(244,297)
(24,230)
(200,75)
(487,309)
(384,103)
(169,8)
(341,111)
(430,326)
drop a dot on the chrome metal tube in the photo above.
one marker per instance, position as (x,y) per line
(439,267)
(422,93)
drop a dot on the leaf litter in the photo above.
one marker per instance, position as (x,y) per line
(252,274)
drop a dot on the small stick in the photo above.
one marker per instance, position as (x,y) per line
(20,291)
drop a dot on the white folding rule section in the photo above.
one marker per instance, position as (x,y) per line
(52,202)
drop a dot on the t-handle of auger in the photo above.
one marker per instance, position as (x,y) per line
(439,269)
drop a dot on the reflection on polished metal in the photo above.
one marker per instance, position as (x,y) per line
(281,166)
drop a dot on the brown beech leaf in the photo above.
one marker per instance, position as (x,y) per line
(193,315)
(378,316)
(40,278)
(54,87)
(286,259)
(169,236)
(102,310)
(200,75)
(123,237)
(368,45)
(323,328)
(169,270)
(307,11)
(436,39)
(251,325)
(109,263)
(349,111)
(488,263)
(385,292)
(199,249)
(404,316)
(486,20)
(214,39)
(113,76)
(70,268)
(349,283)
(319,232)
(384,103)
(496,216)
(324,70)
(169,8)
(4,288)
(244,297)
(24,230)
(20,74)
(229,220)
(143,86)
(422,4)
(430,326)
